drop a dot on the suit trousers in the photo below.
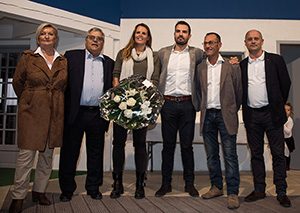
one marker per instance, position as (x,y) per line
(178,116)
(261,122)
(88,122)
(139,144)
(24,166)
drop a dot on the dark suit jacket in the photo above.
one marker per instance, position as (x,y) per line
(76,66)
(230,93)
(278,85)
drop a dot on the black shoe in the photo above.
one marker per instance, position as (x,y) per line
(139,191)
(118,188)
(163,190)
(254,196)
(16,206)
(284,200)
(191,190)
(96,195)
(65,197)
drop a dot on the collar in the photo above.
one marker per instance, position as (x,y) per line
(88,55)
(39,51)
(185,50)
(260,58)
(219,61)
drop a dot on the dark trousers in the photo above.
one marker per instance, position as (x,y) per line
(261,122)
(139,144)
(178,116)
(90,122)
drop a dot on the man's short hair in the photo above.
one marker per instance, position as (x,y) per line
(216,34)
(184,23)
(96,29)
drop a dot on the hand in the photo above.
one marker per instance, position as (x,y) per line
(115,82)
(234,60)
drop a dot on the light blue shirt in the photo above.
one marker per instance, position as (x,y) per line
(93,81)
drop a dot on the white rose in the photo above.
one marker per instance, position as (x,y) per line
(128,113)
(123,106)
(132,92)
(131,102)
(117,99)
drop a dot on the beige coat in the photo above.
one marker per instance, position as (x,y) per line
(230,93)
(41,101)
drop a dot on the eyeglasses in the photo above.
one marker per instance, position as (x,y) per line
(210,43)
(92,38)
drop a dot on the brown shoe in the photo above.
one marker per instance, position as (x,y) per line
(191,190)
(163,190)
(254,196)
(213,192)
(233,201)
(284,200)
(41,198)
(16,206)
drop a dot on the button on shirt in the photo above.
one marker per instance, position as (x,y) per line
(257,89)
(93,82)
(178,80)
(213,83)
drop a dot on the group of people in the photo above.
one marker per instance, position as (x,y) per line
(58,104)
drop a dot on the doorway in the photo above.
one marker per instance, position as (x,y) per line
(291,53)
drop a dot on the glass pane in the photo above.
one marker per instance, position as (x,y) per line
(2,105)
(11,72)
(12,108)
(3,59)
(10,137)
(13,59)
(3,75)
(1,137)
(10,91)
(11,121)
(1,122)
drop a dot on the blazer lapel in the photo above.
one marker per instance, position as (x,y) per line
(224,71)
(192,63)
(164,67)
(41,63)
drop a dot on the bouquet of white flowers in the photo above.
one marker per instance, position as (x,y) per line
(134,103)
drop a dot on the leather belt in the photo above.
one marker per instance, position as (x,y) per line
(89,107)
(178,99)
(214,110)
(261,109)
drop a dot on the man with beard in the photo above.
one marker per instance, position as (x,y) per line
(178,63)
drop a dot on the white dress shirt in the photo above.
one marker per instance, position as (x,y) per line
(213,83)
(93,82)
(178,80)
(257,89)
(56,54)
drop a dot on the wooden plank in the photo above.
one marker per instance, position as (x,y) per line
(78,204)
(62,206)
(179,204)
(95,205)
(47,209)
(199,204)
(163,205)
(147,205)
(129,205)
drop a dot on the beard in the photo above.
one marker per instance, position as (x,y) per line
(181,42)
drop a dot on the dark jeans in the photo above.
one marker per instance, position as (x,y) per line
(90,122)
(261,122)
(213,124)
(139,143)
(178,116)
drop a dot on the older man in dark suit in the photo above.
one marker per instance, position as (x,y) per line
(89,76)
(221,89)
(266,85)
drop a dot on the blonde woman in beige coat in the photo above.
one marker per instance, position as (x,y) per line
(39,81)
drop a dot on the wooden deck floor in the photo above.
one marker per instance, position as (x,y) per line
(176,201)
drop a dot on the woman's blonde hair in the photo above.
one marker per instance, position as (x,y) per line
(39,30)
(128,48)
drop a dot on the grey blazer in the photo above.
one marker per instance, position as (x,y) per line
(196,56)
(230,93)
